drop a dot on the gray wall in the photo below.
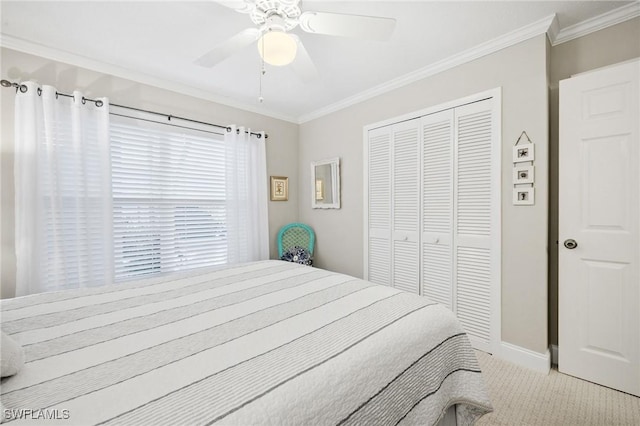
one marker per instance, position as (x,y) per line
(605,47)
(282,144)
(521,71)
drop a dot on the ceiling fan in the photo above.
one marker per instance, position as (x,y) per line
(277,46)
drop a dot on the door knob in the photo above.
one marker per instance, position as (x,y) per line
(570,244)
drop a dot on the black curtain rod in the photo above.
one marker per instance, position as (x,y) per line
(23,88)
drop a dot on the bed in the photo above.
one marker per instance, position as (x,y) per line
(267,342)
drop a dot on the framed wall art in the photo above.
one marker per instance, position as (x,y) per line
(522,174)
(523,196)
(523,152)
(279,188)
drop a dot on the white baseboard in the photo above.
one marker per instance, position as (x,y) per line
(554,354)
(525,357)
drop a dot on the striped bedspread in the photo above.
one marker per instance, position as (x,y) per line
(262,343)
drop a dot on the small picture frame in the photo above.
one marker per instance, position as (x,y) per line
(523,174)
(523,196)
(279,188)
(523,152)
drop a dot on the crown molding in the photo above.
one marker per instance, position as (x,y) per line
(554,29)
(588,26)
(31,48)
(509,39)
(548,25)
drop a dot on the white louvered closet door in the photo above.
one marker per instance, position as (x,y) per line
(405,207)
(379,206)
(433,211)
(474,269)
(437,206)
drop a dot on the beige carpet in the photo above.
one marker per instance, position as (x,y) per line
(525,397)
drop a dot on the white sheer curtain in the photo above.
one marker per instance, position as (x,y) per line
(246,183)
(63,199)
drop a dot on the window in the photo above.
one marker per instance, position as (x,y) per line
(169,209)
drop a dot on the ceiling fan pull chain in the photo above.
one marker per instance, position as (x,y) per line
(262,72)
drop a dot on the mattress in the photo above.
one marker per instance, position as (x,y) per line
(268,342)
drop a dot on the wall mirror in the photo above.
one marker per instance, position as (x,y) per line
(325,184)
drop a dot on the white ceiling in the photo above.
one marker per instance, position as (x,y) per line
(161,39)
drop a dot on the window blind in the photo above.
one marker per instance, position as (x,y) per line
(169,208)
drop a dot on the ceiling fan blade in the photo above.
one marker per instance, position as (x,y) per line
(368,27)
(237,5)
(303,65)
(227,48)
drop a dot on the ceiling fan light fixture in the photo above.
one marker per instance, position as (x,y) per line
(277,48)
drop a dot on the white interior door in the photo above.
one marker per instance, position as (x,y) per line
(432,209)
(379,206)
(406,205)
(599,279)
(476,178)
(437,206)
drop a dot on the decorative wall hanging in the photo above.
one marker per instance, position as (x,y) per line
(523,196)
(325,184)
(279,188)
(524,152)
(523,174)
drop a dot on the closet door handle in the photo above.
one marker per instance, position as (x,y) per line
(570,243)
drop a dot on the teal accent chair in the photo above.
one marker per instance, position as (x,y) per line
(296,234)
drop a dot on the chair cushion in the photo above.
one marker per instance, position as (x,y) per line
(297,254)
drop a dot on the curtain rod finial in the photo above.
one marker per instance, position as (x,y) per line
(21,87)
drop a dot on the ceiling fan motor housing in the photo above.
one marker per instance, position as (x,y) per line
(275,14)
